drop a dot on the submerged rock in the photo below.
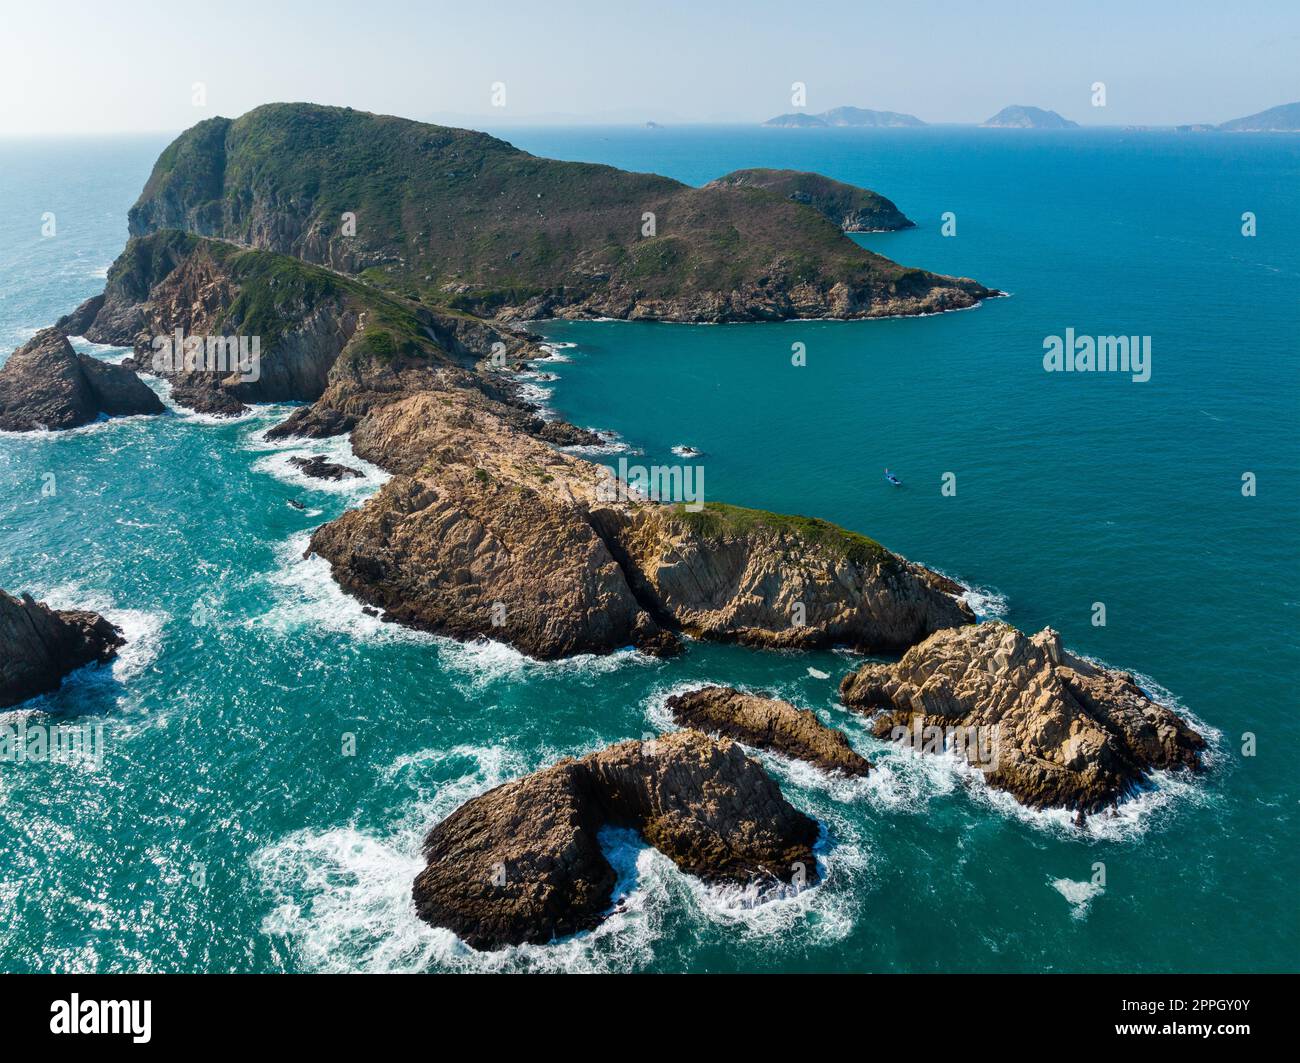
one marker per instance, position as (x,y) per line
(46,384)
(767,723)
(522,863)
(39,646)
(319,467)
(1052,729)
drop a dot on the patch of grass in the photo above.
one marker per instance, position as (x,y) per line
(718,520)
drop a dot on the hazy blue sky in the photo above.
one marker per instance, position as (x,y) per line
(108,66)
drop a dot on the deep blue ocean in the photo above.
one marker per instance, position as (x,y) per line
(225,829)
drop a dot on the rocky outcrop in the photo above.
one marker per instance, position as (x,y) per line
(39,646)
(482,534)
(522,863)
(853,209)
(1051,728)
(486,531)
(767,723)
(46,384)
(776,581)
(319,467)
(263,327)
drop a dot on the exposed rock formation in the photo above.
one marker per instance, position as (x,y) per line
(39,646)
(521,863)
(46,384)
(1062,732)
(319,467)
(767,579)
(767,723)
(487,531)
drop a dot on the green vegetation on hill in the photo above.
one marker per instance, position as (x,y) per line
(274,293)
(466,219)
(852,208)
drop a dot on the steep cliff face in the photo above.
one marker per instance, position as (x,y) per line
(303,321)
(767,579)
(46,384)
(466,219)
(522,863)
(39,646)
(1049,727)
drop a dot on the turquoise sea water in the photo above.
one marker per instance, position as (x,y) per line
(225,829)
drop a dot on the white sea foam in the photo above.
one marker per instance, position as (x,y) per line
(105,352)
(1080,895)
(276,462)
(342,896)
(101,424)
(484,661)
(308,598)
(142,629)
(613,444)
(684,451)
(985,603)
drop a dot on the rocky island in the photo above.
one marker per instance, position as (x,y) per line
(522,863)
(1063,732)
(40,646)
(1019,116)
(768,723)
(467,221)
(45,384)
(859,117)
